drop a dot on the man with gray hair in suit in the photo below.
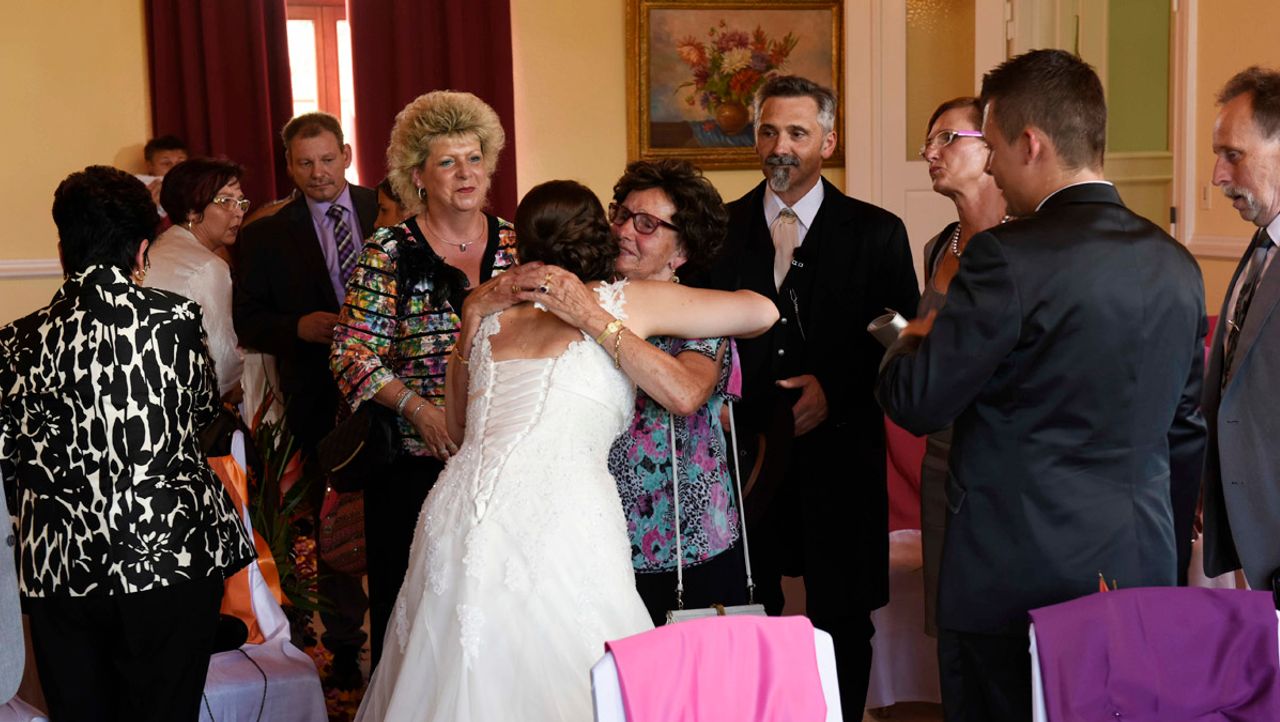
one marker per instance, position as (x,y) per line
(1241,492)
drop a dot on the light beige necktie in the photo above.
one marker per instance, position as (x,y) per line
(786,235)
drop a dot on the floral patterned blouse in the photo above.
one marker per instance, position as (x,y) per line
(640,462)
(387,332)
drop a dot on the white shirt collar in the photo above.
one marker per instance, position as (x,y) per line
(1070,185)
(806,209)
(1273,231)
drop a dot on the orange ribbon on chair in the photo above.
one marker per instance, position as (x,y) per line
(237,595)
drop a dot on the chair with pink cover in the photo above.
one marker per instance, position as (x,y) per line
(740,668)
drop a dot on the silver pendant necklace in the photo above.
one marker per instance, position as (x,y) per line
(462,246)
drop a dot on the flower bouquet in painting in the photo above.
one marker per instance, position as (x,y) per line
(727,69)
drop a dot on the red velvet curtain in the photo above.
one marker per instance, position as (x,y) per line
(220,81)
(403,48)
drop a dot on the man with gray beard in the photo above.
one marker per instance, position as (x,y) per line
(832,264)
(1241,488)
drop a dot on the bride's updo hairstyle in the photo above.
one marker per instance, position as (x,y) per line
(562,223)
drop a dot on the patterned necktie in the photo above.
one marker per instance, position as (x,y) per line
(342,235)
(786,236)
(1262,244)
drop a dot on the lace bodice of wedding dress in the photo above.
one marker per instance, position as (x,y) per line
(520,568)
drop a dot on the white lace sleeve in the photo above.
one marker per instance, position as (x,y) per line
(612,297)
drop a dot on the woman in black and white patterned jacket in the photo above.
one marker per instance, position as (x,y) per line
(124,533)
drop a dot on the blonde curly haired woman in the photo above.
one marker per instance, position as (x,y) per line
(401,317)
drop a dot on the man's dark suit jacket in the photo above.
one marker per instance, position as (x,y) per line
(1069,356)
(280,277)
(854,261)
(1242,467)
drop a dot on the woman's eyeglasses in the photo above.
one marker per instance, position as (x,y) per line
(944,138)
(229,203)
(644,223)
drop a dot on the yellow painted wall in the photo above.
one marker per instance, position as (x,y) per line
(570,97)
(1217,277)
(1226,45)
(73,76)
(1229,42)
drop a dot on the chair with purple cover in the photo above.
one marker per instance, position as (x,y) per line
(1159,654)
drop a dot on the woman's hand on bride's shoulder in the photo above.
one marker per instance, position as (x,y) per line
(565,295)
(500,292)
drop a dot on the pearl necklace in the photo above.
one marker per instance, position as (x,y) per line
(955,236)
(955,241)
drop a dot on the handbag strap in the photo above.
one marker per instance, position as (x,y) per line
(675,496)
(742,506)
(742,511)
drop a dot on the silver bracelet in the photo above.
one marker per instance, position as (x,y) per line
(416,409)
(403,399)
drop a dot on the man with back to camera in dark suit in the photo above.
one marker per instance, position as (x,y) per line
(832,264)
(290,274)
(1242,468)
(1069,358)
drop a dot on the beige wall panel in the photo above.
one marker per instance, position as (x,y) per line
(73,76)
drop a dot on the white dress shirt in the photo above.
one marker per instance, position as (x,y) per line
(806,209)
(179,263)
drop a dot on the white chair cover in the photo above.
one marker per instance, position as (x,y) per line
(904,660)
(18,711)
(259,375)
(234,688)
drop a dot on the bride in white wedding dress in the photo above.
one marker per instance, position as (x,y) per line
(521,566)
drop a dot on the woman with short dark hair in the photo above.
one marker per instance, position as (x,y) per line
(124,534)
(203,198)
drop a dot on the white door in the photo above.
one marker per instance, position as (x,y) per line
(904,58)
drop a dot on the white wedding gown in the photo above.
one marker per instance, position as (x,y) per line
(521,565)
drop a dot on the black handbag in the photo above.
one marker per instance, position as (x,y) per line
(215,439)
(360,448)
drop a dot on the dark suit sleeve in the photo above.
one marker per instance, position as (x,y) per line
(1187,439)
(891,280)
(925,384)
(259,325)
(901,290)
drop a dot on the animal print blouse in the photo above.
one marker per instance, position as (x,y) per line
(102,393)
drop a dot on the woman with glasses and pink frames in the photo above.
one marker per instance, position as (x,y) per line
(957,156)
(203,198)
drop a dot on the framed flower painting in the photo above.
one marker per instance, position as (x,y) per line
(693,67)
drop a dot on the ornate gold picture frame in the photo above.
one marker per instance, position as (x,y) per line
(694,65)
